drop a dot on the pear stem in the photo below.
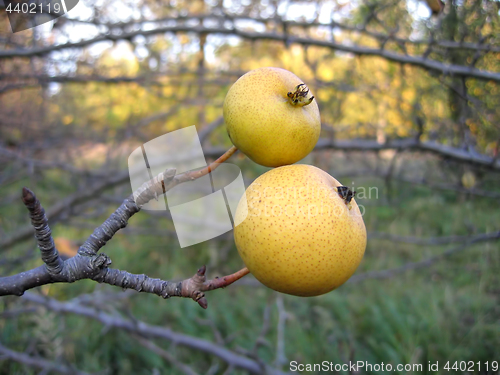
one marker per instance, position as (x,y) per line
(193,175)
(222,282)
(299,98)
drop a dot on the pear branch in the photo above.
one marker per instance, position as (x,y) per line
(90,264)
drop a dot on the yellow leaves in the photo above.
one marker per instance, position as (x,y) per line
(261,62)
(473,125)
(325,74)
(68,119)
(119,113)
(351,109)
(119,61)
(408,95)
(333,69)
(359,95)
(65,246)
(184,39)
(108,105)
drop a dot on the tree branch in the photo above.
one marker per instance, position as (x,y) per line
(150,331)
(40,363)
(165,354)
(88,264)
(423,62)
(39,163)
(454,153)
(445,44)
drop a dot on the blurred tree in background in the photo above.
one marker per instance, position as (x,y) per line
(410,117)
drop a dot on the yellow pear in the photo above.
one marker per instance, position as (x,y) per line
(272,117)
(300,232)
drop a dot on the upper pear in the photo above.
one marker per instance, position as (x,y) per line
(272,117)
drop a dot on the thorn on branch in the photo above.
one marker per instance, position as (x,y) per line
(201,270)
(203,302)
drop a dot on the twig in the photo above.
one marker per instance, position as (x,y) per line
(165,354)
(385,274)
(266,325)
(280,339)
(40,363)
(7,314)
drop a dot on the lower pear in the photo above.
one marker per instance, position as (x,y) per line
(299,231)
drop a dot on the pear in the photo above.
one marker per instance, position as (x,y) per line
(299,231)
(272,117)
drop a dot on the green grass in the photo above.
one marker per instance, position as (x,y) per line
(446,312)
